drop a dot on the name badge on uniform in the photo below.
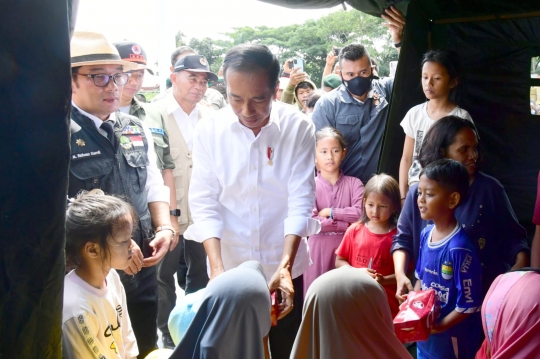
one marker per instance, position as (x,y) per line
(158,131)
(131,130)
(78,156)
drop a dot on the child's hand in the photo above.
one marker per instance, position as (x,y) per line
(297,77)
(372,273)
(436,329)
(404,300)
(324,212)
(404,285)
(379,278)
(136,260)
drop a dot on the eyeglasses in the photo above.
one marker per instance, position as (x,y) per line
(102,80)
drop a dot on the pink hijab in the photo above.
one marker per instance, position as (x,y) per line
(511,317)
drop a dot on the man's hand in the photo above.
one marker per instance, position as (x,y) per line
(212,246)
(324,212)
(331,58)
(395,23)
(160,245)
(282,281)
(176,227)
(296,77)
(404,286)
(215,272)
(286,67)
(136,263)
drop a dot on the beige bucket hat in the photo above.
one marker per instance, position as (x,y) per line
(92,48)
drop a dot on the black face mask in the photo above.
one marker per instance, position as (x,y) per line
(359,85)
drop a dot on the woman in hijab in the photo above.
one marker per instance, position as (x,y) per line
(511,317)
(486,214)
(233,319)
(346,315)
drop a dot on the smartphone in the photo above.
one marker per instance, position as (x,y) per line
(337,50)
(298,63)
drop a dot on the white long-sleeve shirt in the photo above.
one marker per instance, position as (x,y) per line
(186,121)
(155,188)
(248,200)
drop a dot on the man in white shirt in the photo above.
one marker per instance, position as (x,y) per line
(253,188)
(179,112)
(114,152)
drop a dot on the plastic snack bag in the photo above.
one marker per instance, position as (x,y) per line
(416,316)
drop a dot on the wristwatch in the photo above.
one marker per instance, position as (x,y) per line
(175,212)
(397,45)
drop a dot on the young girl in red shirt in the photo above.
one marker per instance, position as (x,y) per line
(367,243)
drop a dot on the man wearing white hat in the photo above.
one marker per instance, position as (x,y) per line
(115,153)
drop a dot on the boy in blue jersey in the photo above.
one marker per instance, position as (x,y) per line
(448,264)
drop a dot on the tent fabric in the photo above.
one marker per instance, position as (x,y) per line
(440,9)
(372,7)
(35,90)
(496,57)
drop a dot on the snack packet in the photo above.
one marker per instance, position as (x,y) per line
(416,316)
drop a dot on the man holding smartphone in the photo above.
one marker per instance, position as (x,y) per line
(359,107)
(299,87)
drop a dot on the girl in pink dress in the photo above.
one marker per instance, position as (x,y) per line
(338,203)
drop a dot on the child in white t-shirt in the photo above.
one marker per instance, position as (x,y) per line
(95,320)
(440,78)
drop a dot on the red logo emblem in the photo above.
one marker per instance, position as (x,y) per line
(136,49)
(203,61)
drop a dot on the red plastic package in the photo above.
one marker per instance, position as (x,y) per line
(416,316)
(274,311)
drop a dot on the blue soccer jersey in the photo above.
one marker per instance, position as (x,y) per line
(452,269)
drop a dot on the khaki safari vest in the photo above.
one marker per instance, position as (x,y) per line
(182,160)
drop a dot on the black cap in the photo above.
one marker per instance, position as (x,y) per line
(195,63)
(133,52)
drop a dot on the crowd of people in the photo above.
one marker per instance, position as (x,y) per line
(268,207)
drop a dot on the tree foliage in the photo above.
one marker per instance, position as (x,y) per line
(311,40)
(179,38)
(210,50)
